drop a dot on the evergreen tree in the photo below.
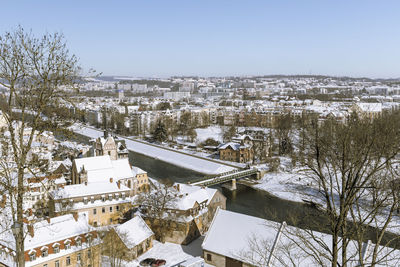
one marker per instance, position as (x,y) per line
(160,132)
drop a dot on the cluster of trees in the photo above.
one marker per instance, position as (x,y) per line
(354,169)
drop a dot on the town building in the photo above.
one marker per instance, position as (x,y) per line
(238,152)
(101,168)
(132,238)
(104,203)
(109,145)
(189,215)
(66,240)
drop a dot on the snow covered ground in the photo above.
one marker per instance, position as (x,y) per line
(214,132)
(176,158)
(290,186)
(172,253)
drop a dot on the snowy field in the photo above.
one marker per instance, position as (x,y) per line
(173,157)
(214,132)
(172,253)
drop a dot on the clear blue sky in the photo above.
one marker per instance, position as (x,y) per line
(188,37)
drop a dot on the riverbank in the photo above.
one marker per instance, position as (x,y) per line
(175,157)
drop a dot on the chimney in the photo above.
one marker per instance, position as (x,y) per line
(111,180)
(31,230)
(85,182)
(118,184)
(75,214)
(48,219)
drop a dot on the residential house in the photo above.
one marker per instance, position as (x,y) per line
(66,240)
(105,203)
(133,237)
(189,215)
(238,152)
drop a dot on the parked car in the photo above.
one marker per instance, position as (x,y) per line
(157,263)
(147,262)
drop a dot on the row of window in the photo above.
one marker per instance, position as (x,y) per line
(68,260)
(103,209)
(103,198)
(56,249)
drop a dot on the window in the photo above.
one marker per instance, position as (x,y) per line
(57,264)
(45,253)
(95,223)
(78,257)
(110,197)
(209,257)
(103,198)
(32,257)
(68,245)
(103,210)
(110,209)
(85,200)
(94,211)
(110,220)
(79,242)
(123,195)
(117,208)
(68,260)
(45,265)
(56,249)
(89,253)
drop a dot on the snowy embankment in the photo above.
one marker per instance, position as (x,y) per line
(177,158)
(289,186)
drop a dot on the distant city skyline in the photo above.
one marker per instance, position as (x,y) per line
(221,38)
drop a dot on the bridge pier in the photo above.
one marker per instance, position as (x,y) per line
(233,184)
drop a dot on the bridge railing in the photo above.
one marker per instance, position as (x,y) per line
(224,178)
(207,177)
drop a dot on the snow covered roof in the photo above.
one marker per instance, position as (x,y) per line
(137,170)
(235,235)
(370,107)
(102,168)
(234,146)
(80,190)
(134,231)
(93,163)
(192,194)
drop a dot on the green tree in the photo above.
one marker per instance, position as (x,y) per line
(160,132)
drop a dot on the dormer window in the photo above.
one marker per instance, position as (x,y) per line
(56,249)
(68,245)
(78,241)
(92,200)
(110,197)
(85,200)
(123,195)
(32,255)
(103,198)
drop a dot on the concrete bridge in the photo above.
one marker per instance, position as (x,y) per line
(232,176)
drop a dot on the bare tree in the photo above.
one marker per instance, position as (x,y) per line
(113,247)
(157,206)
(37,73)
(350,163)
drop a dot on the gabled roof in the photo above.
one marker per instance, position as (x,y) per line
(102,168)
(133,232)
(93,163)
(59,228)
